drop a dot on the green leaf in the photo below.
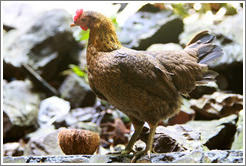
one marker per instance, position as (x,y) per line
(77,70)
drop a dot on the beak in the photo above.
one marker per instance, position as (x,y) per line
(73,25)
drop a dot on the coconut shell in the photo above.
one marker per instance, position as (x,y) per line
(76,141)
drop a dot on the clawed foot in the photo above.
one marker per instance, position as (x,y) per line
(137,155)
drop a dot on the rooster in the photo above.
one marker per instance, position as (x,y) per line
(146,85)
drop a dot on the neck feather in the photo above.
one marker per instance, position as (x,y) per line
(103,36)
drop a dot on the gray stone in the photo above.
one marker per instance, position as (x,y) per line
(43,143)
(77,91)
(144,29)
(196,156)
(20,107)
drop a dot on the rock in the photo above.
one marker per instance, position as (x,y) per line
(193,157)
(178,138)
(196,156)
(47,159)
(43,143)
(217,105)
(222,129)
(238,138)
(13,149)
(77,92)
(52,109)
(144,29)
(20,109)
(47,45)
(164,47)
(219,156)
(80,115)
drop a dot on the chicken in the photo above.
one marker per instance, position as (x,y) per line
(146,85)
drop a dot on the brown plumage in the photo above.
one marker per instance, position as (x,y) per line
(146,85)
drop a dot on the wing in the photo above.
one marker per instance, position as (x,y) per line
(186,71)
(141,69)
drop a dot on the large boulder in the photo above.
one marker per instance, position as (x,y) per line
(46,44)
(146,28)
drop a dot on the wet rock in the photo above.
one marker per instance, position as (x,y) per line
(20,109)
(217,105)
(47,45)
(52,109)
(144,29)
(238,138)
(77,92)
(42,143)
(13,149)
(222,129)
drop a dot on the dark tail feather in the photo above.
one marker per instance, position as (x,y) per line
(207,52)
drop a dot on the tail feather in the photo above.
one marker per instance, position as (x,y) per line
(215,53)
(207,51)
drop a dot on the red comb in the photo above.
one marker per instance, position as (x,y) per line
(78,14)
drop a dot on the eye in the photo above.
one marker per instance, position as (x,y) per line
(83,19)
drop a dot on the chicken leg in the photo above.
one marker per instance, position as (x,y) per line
(138,126)
(149,144)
